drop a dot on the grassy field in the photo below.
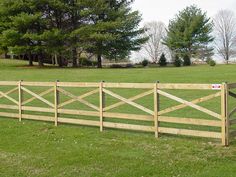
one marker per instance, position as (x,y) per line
(34,148)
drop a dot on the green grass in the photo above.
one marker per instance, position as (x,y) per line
(33,148)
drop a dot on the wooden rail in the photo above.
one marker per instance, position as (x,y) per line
(101,110)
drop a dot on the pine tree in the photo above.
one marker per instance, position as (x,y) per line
(177,61)
(187,60)
(162,60)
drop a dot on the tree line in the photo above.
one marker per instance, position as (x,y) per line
(66,28)
(191,34)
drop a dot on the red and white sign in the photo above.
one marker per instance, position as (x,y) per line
(216,86)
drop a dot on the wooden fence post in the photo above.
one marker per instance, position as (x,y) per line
(56,98)
(102,104)
(156,109)
(20,100)
(224,114)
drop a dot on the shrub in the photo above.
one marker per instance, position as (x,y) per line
(162,61)
(177,61)
(116,66)
(145,63)
(129,65)
(187,61)
(212,63)
(85,62)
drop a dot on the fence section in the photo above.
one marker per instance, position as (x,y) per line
(231,114)
(101,112)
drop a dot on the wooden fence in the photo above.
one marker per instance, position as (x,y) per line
(101,111)
(231,114)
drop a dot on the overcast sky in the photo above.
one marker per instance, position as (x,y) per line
(164,10)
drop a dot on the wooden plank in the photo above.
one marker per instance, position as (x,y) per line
(11,115)
(232,85)
(190,121)
(38,117)
(131,99)
(128,126)
(9,98)
(38,97)
(78,99)
(128,116)
(232,94)
(156,109)
(224,114)
(186,132)
(78,84)
(129,85)
(13,107)
(39,84)
(232,112)
(181,106)
(232,121)
(20,100)
(56,103)
(101,105)
(9,83)
(78,121)
(190,104)
(129,102)
(37,109)
(78,112)
(10,91)
(41,95)
(185,86)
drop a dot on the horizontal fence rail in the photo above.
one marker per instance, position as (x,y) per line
(101,109)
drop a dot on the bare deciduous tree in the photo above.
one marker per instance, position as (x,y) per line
(156,31)
(225,34)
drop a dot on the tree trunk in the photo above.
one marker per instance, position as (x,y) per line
(30,60)
(40,60)
(74,58)
(99,58)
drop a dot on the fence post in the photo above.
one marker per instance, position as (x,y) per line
(224,114)
(102,104)
(20,100)
(56,98)
(156,109)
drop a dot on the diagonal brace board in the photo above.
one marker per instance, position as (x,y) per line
(130,99)
(37,96)
(78,99)
(41,94)
(8,97)
(232,94)
(190,104)
(181,106)
(232,112)
(129,102)
(10,91)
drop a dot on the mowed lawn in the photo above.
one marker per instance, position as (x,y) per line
(31,148)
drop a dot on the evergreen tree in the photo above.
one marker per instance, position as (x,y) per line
(112,30)
(162,60)
(177,61)
(189,31)
(187,60)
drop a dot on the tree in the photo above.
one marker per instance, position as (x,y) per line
(162,61)
(189,31)
(177,61)
(225,32)
(187,60)
(111,30)
(153,48)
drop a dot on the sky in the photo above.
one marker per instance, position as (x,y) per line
(164,10)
